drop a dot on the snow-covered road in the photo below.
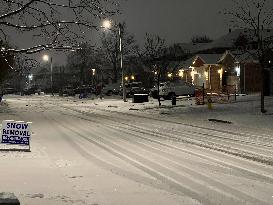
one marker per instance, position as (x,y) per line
(82,156)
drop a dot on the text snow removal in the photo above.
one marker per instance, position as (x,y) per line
(15,132)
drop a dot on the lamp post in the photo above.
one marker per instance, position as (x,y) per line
(107,25)
(47,58)
(93,75)
(30,78)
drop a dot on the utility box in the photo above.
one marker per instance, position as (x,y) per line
(174,100)
(140,98)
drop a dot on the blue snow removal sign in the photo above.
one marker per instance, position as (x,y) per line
(15,132)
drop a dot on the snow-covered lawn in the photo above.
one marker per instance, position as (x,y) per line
(245,112)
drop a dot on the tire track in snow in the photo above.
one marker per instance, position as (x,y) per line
(194,188)
(82,150)
(247,169)
(250,155)
(168,159)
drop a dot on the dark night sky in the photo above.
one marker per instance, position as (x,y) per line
(175,20)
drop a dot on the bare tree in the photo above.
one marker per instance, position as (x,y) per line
(257,17)
(154,58)
(54,24)
(81,62)
(57,25)
(6,60)
(110,47)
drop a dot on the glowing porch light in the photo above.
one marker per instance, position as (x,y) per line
(181,73)
(207,75)
(170,75)
(238,70)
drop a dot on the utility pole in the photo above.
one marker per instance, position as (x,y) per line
(51,76)
(120,31)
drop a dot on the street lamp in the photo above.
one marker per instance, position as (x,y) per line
(30,78)
(107,24)
(47,58)
(93,71)
(93,75)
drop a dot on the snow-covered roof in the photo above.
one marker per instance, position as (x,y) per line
(227,41)
(207,58)
(210,58)
(193,47)
(187,63)
(225,55)
(246,57)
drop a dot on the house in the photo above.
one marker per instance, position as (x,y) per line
(205,70)
(228,62)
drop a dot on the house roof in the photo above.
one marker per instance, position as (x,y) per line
(246,57)
(187,63)
(225,55)
(210,58)
(207,58)
(227,41)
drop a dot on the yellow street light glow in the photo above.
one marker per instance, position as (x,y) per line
(170,75)
(132,77)
(126,78)
(45,57)
(155,73)
(106,24)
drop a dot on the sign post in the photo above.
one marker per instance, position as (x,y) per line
(16,133)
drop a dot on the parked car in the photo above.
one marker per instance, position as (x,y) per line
(111,89)
(30,91)
(178,88)
(154,91)
(84,89)
(68,91)
(9,91)
(134,88)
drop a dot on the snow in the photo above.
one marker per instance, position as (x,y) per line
(226,41)
(106,151)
